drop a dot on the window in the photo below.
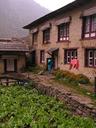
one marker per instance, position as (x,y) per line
(69,54)
(46,36)
(63,32)
(89,26)
(90,57)
(42,56)
(35,36)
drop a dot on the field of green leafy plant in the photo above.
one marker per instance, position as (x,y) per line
(22,107)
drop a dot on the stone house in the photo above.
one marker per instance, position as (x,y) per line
(64,34)
(12,55)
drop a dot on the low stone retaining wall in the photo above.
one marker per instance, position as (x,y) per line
(77,107)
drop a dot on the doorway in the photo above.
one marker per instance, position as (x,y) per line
(33,58)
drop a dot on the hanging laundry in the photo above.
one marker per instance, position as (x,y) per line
(74,63)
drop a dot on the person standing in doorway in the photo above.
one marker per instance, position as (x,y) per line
(50,63)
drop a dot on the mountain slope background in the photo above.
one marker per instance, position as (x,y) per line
(14,14)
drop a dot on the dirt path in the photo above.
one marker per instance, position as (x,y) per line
(48,80)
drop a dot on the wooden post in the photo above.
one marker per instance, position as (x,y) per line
(7,81)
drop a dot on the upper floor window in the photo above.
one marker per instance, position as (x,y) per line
(69,54)
(42,56)
(46,36)
(63,32)
(35,37)
(89,26)
(90,57)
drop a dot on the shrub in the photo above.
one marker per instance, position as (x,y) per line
(82,79)
(59,74)
(71,78)
(66,76)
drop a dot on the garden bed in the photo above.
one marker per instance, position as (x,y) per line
(79,83)
(25,107)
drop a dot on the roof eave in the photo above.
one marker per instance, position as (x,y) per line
(68,7)
(13,51)
(49,15)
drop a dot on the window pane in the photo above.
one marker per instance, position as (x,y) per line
(70,54)
(90,62)
(46,35)
(86,35)
(67,34)
(90,54)
(93,28)
(87,24)
(63,31)
(42,56)
(90,58)
(95,58)
(68,60)
(92,34)
(75,54)
(35,37)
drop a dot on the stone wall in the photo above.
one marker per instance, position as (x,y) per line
(78,107)
(21,62)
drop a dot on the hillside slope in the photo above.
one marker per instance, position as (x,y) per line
(14,14)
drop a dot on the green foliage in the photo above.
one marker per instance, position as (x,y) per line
(82,79)
(22,107)
(68,77)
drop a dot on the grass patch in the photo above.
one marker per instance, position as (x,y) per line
(74,81)
(22,107)
(71,78)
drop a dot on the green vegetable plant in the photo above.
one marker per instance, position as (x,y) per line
(22,107)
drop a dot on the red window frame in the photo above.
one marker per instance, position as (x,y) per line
(46,36)
(63,32)
(69,54)
(90,58)
(89,27)
(42,56)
